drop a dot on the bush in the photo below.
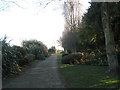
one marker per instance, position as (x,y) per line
(64,54)
(15,56)
(74,58)
(29,57)
(9,64)
(41,56)
(98,59)
(22,62)
(9,67)
(36,47)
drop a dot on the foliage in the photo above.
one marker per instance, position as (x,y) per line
(9,63)
(29,58)
(36,48)
(98,59)
(74,58)
(52,50)
(91,34)
(64,54)
(72,22)
(14,57)
(88,36)
(69,41)
(85,58)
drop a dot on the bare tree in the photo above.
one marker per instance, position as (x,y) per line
(72,14)
(72,22)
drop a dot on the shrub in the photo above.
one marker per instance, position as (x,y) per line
(52,50)
(98,59)
(74,58)
(36,47)
(64,54)
(22,62)
(15,56)
(29,57)
(9,64)
(41,56)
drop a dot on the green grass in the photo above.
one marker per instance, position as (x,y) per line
(86,76)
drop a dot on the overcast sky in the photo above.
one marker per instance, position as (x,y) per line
(27,19)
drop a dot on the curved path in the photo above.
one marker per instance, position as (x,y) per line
(43,74)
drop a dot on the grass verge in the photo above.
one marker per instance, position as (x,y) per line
(86,76)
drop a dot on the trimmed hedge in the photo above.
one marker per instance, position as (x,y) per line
(85,58)
(74,58)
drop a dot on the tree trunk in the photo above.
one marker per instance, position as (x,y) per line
(109,40)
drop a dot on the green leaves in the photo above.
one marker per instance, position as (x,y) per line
(36,48)
(52,50)
(9,64)
(13,57)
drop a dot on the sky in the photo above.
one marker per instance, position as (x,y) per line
(28,19)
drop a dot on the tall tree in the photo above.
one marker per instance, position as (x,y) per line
(109,40)
(72,21)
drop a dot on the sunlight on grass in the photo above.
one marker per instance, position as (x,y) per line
(65,65)
(86,76)
(110,81)
(106,84)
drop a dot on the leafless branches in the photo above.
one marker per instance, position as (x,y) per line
(4,4)
(72,13)
(45,3)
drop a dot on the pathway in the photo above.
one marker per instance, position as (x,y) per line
(43,74)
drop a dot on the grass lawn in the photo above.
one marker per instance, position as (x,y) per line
(86,76)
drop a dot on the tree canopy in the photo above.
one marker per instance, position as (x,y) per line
(89,36)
